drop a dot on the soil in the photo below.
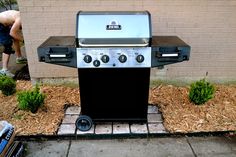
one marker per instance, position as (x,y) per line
(23,73)
(179,114)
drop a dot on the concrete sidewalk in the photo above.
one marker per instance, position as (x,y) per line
(143,147)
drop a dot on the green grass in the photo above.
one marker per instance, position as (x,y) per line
(65,84)
(229,83)
(178,83)
(26,150)
(18,117)
(154,83)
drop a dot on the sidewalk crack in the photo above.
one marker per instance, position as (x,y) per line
(68,150)
(195,155)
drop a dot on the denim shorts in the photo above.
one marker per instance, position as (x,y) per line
(6,39)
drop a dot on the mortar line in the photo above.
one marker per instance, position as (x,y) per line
(195,155)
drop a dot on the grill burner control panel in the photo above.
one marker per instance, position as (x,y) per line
(114,57)
(61,50)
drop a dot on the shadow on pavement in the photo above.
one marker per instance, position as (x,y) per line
(22,74)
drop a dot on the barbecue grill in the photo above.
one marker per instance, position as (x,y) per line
(114,53)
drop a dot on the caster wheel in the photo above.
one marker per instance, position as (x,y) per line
(84,123)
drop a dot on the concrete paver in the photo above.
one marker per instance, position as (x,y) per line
(152,109)
(103,128)
(91,131)
(70,119)
(66,129)
(139,128)
(73,110)
(156,128)
(152,118)
(121,128)
(154,121)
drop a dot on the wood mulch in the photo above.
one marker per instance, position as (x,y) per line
(180,115)
(47,119)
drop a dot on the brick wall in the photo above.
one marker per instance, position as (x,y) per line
(209,26)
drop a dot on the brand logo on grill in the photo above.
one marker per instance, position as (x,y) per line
(114,25)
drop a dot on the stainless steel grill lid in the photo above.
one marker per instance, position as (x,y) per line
(113,29)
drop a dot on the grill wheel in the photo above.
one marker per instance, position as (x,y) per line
(84,123)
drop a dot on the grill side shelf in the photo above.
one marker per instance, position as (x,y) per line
(58,50)
(169,50)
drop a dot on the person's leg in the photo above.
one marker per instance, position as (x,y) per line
(19,58)
(6,41)
(16,45)
(5,61)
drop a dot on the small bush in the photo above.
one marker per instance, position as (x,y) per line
(7,85)
(201,91)
(30,100)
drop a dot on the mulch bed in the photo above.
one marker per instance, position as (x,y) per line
(47,119)
(180,115)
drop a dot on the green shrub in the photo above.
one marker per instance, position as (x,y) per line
(201,91)
(7,85)
(30,100)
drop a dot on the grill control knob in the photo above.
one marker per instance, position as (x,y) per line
(87,59)
(105,58)
(140,58)
(122,58)
(96,63)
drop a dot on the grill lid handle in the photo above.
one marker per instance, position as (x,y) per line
(113,45)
